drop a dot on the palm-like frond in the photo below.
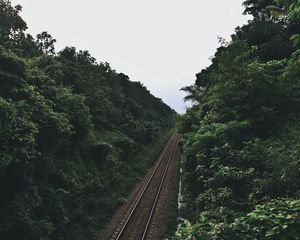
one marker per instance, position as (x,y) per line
(194,93)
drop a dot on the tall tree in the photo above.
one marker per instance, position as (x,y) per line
(46,42)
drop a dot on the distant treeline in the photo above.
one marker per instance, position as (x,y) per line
(241,137)
(72,132)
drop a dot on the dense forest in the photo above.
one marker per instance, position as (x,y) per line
(241,137)
(75,136)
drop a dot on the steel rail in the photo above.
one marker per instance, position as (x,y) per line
(145,187)
(158,192)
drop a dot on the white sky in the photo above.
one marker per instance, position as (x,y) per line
(161,43)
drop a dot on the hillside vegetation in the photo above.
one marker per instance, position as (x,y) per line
(75,136)
(241,137)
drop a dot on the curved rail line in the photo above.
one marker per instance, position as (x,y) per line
(169,145)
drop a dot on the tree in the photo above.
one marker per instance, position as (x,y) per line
(11,24)
(45,42)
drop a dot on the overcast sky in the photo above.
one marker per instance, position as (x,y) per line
(161,43)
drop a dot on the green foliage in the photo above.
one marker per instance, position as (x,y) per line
(45,42)
(75,136)
(11,23)
(278,219)
(241,136)
(294,9)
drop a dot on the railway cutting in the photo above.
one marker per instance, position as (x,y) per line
(139,220)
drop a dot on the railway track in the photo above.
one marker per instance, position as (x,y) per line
(139,219)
